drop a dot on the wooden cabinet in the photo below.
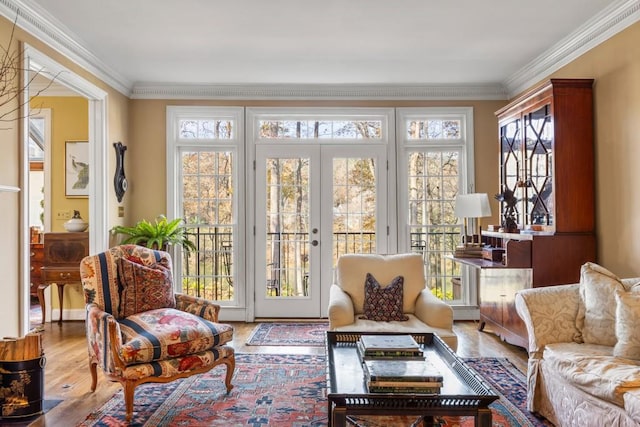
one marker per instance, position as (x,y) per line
(36,258)
(61,263)
(547,161)
(547,156)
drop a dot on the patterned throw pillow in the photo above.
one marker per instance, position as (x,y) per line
(383,303)
(627,322)
(144,287)
(596,318)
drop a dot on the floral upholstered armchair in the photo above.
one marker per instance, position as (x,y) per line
(139,331)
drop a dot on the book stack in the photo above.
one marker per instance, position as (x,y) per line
(396,364)
(402,376)
(469,250)
(389,347)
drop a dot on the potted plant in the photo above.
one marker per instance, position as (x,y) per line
(157,235)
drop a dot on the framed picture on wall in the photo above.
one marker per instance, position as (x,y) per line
(76,168)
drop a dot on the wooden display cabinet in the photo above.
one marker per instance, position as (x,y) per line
(547,160)
(61,264)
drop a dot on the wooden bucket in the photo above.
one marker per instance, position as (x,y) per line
(22,387)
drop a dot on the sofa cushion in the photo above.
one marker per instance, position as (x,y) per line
(594,369)
(144,287)
(627,325)
(352,271)
(383,303)
(167,333)
(596,320)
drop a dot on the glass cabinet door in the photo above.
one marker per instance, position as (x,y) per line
(511,164)
(537,193)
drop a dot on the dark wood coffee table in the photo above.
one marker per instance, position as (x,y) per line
(463,391)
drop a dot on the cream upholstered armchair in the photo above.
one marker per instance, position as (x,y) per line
(352,308)
(139,331)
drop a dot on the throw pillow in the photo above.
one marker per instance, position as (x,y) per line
(144,287)
(627,325)
(596,318)
(383,303)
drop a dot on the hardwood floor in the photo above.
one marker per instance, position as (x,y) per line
(67,372)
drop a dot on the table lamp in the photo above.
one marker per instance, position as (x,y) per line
(472,205)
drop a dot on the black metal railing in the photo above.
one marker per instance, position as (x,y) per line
(208,272)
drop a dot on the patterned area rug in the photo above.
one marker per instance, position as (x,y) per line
(284,391)
(289,334)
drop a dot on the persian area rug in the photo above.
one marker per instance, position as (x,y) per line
(285,391)
(289,334)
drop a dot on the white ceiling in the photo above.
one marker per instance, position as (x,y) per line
(457,43)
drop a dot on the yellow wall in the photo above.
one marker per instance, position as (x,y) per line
(615,66)
(9,215)
(148,138)
(69,122)
(10,170)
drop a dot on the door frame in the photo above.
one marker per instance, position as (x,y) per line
(33,59)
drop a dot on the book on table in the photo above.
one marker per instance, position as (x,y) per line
(402,376)
(408,371)
(388,346)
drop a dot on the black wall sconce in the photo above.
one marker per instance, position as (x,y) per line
(120,183)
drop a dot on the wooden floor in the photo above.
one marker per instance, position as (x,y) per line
(67,372)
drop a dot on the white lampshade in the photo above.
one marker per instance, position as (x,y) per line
(472,205)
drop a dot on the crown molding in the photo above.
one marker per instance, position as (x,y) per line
(319,92)
(610,21)
(39,23)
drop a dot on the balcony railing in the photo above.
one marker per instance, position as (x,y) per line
(208,272)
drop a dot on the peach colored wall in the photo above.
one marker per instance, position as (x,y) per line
(148,138)
(69,122)
(10,170)
(615,66)
(9,215)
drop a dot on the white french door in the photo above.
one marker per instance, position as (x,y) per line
(314,202)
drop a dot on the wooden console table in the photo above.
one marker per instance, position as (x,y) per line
(61,264)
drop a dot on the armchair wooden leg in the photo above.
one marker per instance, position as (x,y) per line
(93,368)
(129,391)
(231,367)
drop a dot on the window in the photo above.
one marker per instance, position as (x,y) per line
(204,152)
(435,155)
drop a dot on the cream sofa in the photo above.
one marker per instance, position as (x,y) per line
(584,350)
(425,312)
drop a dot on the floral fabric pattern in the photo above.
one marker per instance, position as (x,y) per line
(163,342)
(627,325)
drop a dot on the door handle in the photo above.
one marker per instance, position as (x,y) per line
(314,243)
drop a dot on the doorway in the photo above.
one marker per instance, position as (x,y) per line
(37,62)
(314,203)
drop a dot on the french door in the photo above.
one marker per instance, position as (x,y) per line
(314,202)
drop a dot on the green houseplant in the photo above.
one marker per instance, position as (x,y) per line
(157,235)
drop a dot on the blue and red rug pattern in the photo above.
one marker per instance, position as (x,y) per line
(289,334)
(285,391)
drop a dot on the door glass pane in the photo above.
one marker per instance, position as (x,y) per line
(433,179)
(539,156)
(287,249)
(354,206)
(207,191)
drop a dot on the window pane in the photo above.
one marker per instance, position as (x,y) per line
(320,129)
(205,129)
(208,211)
(435,129)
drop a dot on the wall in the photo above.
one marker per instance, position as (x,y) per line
(615,66)
(10,170)
(69,122)
(148,180)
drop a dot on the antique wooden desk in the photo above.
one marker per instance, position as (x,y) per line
(61,263)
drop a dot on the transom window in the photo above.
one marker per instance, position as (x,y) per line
(320,128)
